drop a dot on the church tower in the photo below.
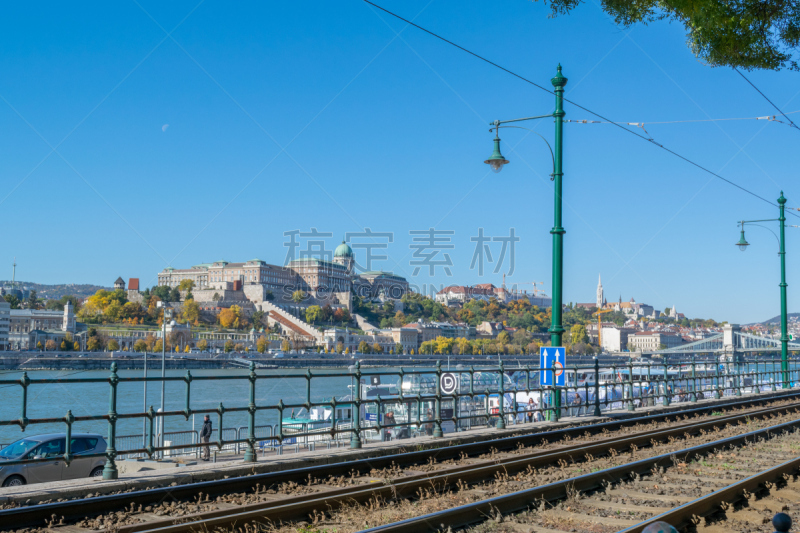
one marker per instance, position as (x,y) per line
(599,292)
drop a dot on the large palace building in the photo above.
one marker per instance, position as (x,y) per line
(333,281)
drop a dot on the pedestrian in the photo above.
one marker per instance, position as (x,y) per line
(205,437)
(429,425)
(576,402)
(531,408)
(388,421)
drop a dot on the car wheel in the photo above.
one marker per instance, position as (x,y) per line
(14,481)
(97,472)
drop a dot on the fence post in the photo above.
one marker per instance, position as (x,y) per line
(437,428)
(501,422)
(250,453)
(221,411)
(280,422)
(596,386)
(110,469)
(665,401)
(631,406)
(774,380)
(355,436)
(69,419)
(25,382)
(716,385)
(694,382)
(151,414)
(187,411)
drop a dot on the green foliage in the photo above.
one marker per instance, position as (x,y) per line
(749,34)
(298,296)
(12,300)
(313,314)
(228,346)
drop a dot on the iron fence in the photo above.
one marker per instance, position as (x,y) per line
(435,401)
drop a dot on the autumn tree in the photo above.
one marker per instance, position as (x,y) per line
(578,334)
(159,346)
(363,347)
(50,345)
(39,345)
(228,346)
(202,345)
(285,345)
(261,344)
(377,348)
(313,314)
(112,345)
(186,285)
(239,347)
(298,296)
(191,311)
(230,317)
(139,346)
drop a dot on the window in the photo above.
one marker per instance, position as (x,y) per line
(52,448)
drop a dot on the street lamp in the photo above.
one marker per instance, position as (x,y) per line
(497,161)
(743,244)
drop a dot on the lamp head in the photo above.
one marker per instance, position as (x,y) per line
(742,244)
(496,160)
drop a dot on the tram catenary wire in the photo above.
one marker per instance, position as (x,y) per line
(623,128)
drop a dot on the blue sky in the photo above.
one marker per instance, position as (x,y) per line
(185,133)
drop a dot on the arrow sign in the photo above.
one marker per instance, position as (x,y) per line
(549,357)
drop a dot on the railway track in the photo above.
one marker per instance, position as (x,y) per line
(306,495)
(733,484)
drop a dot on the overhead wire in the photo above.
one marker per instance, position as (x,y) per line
(765,97)
(619,125)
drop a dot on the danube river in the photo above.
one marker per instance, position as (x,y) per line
(86,399)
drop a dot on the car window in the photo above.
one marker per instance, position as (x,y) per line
(82,444)
(18,448)
(52,448)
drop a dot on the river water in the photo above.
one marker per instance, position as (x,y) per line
(86,399)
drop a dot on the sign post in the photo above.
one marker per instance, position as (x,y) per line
(552,360)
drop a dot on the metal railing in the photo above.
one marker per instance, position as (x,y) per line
(443,401)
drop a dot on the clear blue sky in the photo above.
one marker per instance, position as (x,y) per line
(169,149)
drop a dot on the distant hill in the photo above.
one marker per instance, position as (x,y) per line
(58,290)
(777,319)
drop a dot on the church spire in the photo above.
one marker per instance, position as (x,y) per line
(599,301)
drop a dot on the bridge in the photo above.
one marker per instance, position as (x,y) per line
(729,343)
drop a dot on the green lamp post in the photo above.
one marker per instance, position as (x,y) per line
(743,244)
(497,161)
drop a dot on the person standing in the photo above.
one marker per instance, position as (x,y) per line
(389,421)
(205,437)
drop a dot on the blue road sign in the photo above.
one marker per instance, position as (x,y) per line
(549,356)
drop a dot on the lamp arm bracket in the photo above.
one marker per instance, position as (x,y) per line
(498,122)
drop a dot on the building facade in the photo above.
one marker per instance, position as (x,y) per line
(646,341)
(28,327)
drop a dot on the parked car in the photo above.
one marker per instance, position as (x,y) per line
(52,445)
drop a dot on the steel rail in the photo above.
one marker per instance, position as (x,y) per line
(298,507)
(523,500)
(36,515)
(688,513)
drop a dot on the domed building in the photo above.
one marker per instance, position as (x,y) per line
(343,255)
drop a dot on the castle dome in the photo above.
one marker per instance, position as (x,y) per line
(343,250)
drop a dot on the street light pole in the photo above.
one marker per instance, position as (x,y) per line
(497,161)
(556,329)
(743,244)
(784,326)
